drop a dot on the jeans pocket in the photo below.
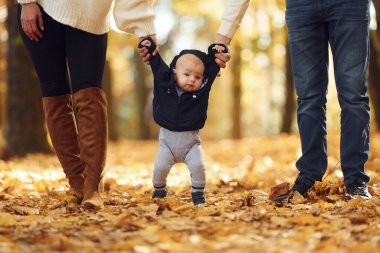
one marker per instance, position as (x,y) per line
(352,10)
(300,13)
(299,4)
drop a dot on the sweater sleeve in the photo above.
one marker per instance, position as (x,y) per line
(26,1)
(135,16)
(234,11)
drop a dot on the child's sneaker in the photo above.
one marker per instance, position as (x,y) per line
(159,194)
(198,198)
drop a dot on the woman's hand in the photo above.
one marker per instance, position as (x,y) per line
(222,58)
(144,52)
(30,17)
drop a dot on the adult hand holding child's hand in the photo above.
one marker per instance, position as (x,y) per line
(222,58)
(144,52)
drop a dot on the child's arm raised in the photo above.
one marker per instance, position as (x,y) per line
(159,68)
(212,67)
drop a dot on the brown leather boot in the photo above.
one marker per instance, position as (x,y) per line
(60,122)
(91,106)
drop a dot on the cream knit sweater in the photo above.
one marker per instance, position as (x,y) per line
(234,11)
(132,16)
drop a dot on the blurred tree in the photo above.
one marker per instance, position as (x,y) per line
(107,86)
(25,130)
(2,85)
(3,32)
(236,91)
(142,92)
(374,67)
(374,76)
(290,103)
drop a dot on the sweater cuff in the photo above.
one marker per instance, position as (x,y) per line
(228,28)
(26,1)
(145,28)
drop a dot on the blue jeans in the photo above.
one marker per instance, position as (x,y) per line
(312,25)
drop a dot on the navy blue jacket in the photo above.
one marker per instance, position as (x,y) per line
(188,111)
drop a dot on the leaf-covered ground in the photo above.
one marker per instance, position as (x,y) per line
(36,215)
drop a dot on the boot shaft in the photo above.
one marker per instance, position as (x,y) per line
(60,121)
(91,106)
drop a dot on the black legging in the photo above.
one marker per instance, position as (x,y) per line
(61,46)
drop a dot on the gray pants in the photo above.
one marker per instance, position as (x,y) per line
(179,147)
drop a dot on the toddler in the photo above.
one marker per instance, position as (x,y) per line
(180,102)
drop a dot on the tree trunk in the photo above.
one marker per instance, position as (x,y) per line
(25,129)
(142,95)
(374,77)
(236,92)
(2,88)
(107,86)
(290,103)
(374,67)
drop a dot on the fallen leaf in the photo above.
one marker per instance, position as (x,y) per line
(7,219)
(357,219)
(297,198)
(279,190)
(22,210)
(306,219)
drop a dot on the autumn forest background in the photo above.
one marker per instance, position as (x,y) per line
(250,142)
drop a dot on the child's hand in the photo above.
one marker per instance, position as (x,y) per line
(146,44)
(216,48)
(219,48)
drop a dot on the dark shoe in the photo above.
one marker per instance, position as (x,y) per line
(159,194)
(301,185)
(198,198)
(357,187)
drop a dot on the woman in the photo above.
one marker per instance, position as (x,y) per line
(60,34)
(73,34)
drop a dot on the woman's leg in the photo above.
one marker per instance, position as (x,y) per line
(49,59)
(86,59)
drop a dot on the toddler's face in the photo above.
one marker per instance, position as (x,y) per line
(189,72)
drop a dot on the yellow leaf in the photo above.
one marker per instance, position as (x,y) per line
(306,219)
(7,219)
(23,210)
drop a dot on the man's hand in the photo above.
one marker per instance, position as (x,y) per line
(144,52)
(222,58)
(30,17)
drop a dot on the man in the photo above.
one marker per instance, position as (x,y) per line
(312,25)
